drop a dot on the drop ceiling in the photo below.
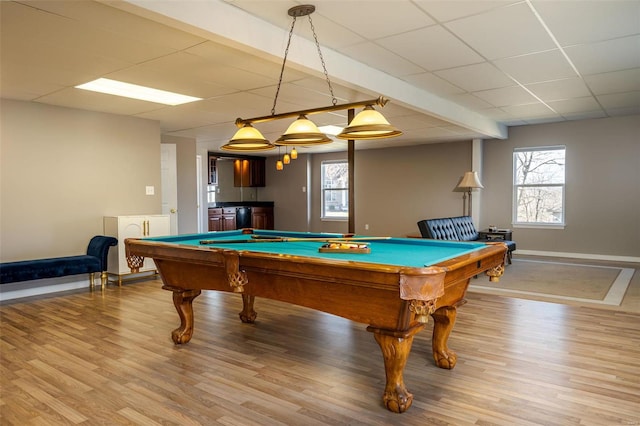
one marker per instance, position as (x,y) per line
(453,70)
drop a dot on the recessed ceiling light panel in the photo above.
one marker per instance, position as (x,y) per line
(133,91)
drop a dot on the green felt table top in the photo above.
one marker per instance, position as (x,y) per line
(410,252)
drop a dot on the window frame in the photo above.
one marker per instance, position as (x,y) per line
(323,189)
(516,187)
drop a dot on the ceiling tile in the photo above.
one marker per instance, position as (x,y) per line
(73,68)
(114,21)
(446,10)
(503,32)
(371,21)
(537,67)
(433,84)
(476,77)
(612,55)
(620,100)
(329,33)
(530,111)
(470,101)
(497,114)
(514,95)
(614,82)
(432,48)
(383,59)
(560,89)
(191,115)
(590,20)
(198,77)
(216,53)
(94,101)
(584,115)
(577,105)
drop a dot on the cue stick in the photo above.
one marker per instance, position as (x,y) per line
(291,240)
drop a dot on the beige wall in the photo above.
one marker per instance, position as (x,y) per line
(602,185)
(63,169)
(396,187)
(284,188)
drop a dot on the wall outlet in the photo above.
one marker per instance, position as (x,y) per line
(366,226)
(150,190)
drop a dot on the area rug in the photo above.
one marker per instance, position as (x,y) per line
(559,282)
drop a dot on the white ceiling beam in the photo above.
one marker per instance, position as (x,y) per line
(223,23)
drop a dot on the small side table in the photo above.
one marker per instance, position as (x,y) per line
(500,234)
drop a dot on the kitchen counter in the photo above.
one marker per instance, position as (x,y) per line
(223,204)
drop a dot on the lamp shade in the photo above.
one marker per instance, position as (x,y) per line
(248,138)
(303,132)
(470,180)
(369,124)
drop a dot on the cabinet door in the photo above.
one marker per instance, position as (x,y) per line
(215,223)
(228,219)
(249,172)
(215,219)
(257,172)
(262,218)
(158,226)
(123,227)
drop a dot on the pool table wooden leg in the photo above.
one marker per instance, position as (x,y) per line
(183,301)
(444,318)
(395,351)
(248,315)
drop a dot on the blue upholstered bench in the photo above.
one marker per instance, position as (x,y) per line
(93,262)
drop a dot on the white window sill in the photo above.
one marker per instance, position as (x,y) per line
(538,225)
(334,219)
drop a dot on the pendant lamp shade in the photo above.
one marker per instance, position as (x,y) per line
(369,124)
(294,154)
(248,138)
(303,132)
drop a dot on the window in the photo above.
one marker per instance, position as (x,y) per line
(538,186)
(335,189)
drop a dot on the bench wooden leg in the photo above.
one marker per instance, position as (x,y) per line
(103,279)
(91,281)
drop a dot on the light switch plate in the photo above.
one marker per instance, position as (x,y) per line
(150,190)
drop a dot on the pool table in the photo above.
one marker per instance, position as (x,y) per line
(393,289)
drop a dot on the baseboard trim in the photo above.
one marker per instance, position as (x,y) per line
(43,286)
(588,256)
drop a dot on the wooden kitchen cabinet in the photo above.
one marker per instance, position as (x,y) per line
(215,219)
(262,217)
(249,172)
(222,219)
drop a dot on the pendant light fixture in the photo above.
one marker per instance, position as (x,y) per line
(248,138)
(303,132)
(279,165)
(368,124)
(294,154)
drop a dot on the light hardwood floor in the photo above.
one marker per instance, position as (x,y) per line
(107,358)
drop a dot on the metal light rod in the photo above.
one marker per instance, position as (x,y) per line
(380,101)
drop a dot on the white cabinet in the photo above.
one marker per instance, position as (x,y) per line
(123,227)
